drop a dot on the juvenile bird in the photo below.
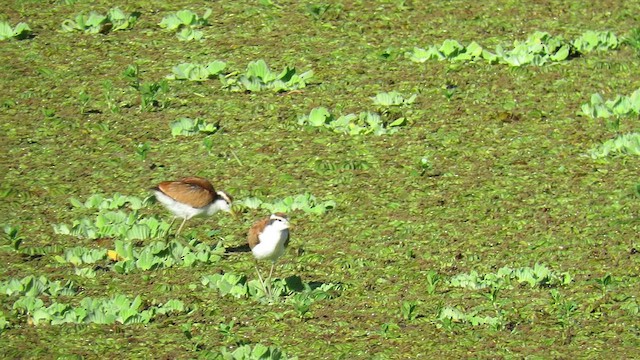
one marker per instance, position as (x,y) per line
(268,239)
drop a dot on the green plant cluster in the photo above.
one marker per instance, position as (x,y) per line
(111,221)
(326,166)
(255,352)
(259,77)
(625,144)
(539,49)
(12,238)
(392,99)
(32,286)
(633,40)
(449,315)
(80,255)
(94,22)
(197,72)
(117,309)
(188,127)
(19,32)
(303,202)
(162,254)
(109,224)
(361,124)
(185,23)
(539,276)
(149,92)
(622,105)
(298,293)
(156,255)
(13,241)
(536,276)
(117,201)
(389,117)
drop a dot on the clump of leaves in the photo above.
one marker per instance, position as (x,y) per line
(351,124)
(12,238)
(114,224)
(324,166)
(538,275)
(633,40)
(297,293)
(149,92)
(392,99)
(409,310)
(188,127)
(156,255)
(118,308)
(111,221)
(197,72)
(94,23)
(538,49)
(162,254)
(258,77)
(303,202)
(255,352)
(186,22)
(317,10)
(20,32)
(117,201)
(626,144)
(451,315)
(596,41)
(4,324)
(453,51)
(620,106)
(81,255)
(33,286)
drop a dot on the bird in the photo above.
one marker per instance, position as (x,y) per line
(268,238)
(190,197)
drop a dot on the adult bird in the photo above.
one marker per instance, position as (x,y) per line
(190,197)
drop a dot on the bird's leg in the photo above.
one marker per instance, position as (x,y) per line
(166,234)
(181,225)
(188,244)
(264,288)
(273,263)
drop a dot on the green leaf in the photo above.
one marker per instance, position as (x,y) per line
(216,67)
(259,351)
(260,69)
(319,116)
(6,32)
(186,17)
(561,54)
(450,48)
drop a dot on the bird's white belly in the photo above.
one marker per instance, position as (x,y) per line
(271,245)
(178,209)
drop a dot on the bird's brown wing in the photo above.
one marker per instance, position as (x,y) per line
(199,181)
(195,192)
(254,232)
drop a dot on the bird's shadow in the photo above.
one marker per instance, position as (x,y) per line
(296,284)
(238,249)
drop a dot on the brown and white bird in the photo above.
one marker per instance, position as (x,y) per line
(267,239)
(190,197)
